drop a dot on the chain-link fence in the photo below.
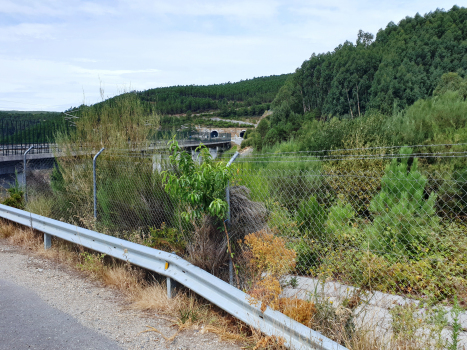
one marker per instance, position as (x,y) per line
(392,222)
(386,219)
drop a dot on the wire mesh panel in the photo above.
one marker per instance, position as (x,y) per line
(392,223)
(38,191)
(391,220)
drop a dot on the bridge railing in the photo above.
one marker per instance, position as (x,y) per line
(19,149)
(191,140)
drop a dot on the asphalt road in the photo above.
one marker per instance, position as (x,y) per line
(27,322)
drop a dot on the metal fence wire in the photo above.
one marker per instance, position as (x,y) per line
(391,220)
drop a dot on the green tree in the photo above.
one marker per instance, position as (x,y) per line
(263,127)
(200,185)
(200,188)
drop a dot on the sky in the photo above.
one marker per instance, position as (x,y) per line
(59,54)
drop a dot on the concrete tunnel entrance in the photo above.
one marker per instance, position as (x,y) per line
(214,133)
(242,133)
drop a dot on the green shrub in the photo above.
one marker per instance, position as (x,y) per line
(421,122)
(166,238)
(281,220)
(341,225)
(291,179)
(311,217)
(246,143)
(307,255)
(263,127)
(403,219)
(16,198)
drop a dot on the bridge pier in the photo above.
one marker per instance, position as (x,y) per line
(213,152)
(157,163)
(196,156)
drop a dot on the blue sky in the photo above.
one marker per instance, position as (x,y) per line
(56,54)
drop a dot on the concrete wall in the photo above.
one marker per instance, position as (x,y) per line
(235,132)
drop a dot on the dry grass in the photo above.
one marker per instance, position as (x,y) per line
(6,230)
(41,205)
(185,310)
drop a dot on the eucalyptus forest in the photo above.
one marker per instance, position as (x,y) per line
(406,85)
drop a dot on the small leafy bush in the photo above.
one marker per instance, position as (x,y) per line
(166,238)
(201,186)
(341,222)
(200,189)
(16,198)
(92,263)
(308,256)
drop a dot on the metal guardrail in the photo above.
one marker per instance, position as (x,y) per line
(218,292)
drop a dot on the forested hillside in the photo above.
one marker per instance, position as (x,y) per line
(402,65)
(377,77)
(28,127)
(246,97)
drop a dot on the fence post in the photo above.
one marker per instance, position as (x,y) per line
(227,198)
(94,180)
(24,174)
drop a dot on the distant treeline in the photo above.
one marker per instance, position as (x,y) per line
(225,97)
(29,128)
(189,122)
(247,98)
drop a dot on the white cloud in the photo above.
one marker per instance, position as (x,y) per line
(236,9)
(58,85)
(27,31)
(30,8)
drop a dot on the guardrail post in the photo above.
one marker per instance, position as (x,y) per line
(47,241)
(171,284)
(227,199)
(171,288)
(94,180)
(24,174)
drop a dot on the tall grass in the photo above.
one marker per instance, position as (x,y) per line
(122,123)
(129,187)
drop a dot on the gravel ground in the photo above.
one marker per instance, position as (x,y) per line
(97,308)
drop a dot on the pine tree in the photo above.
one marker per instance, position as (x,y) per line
(403,219)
